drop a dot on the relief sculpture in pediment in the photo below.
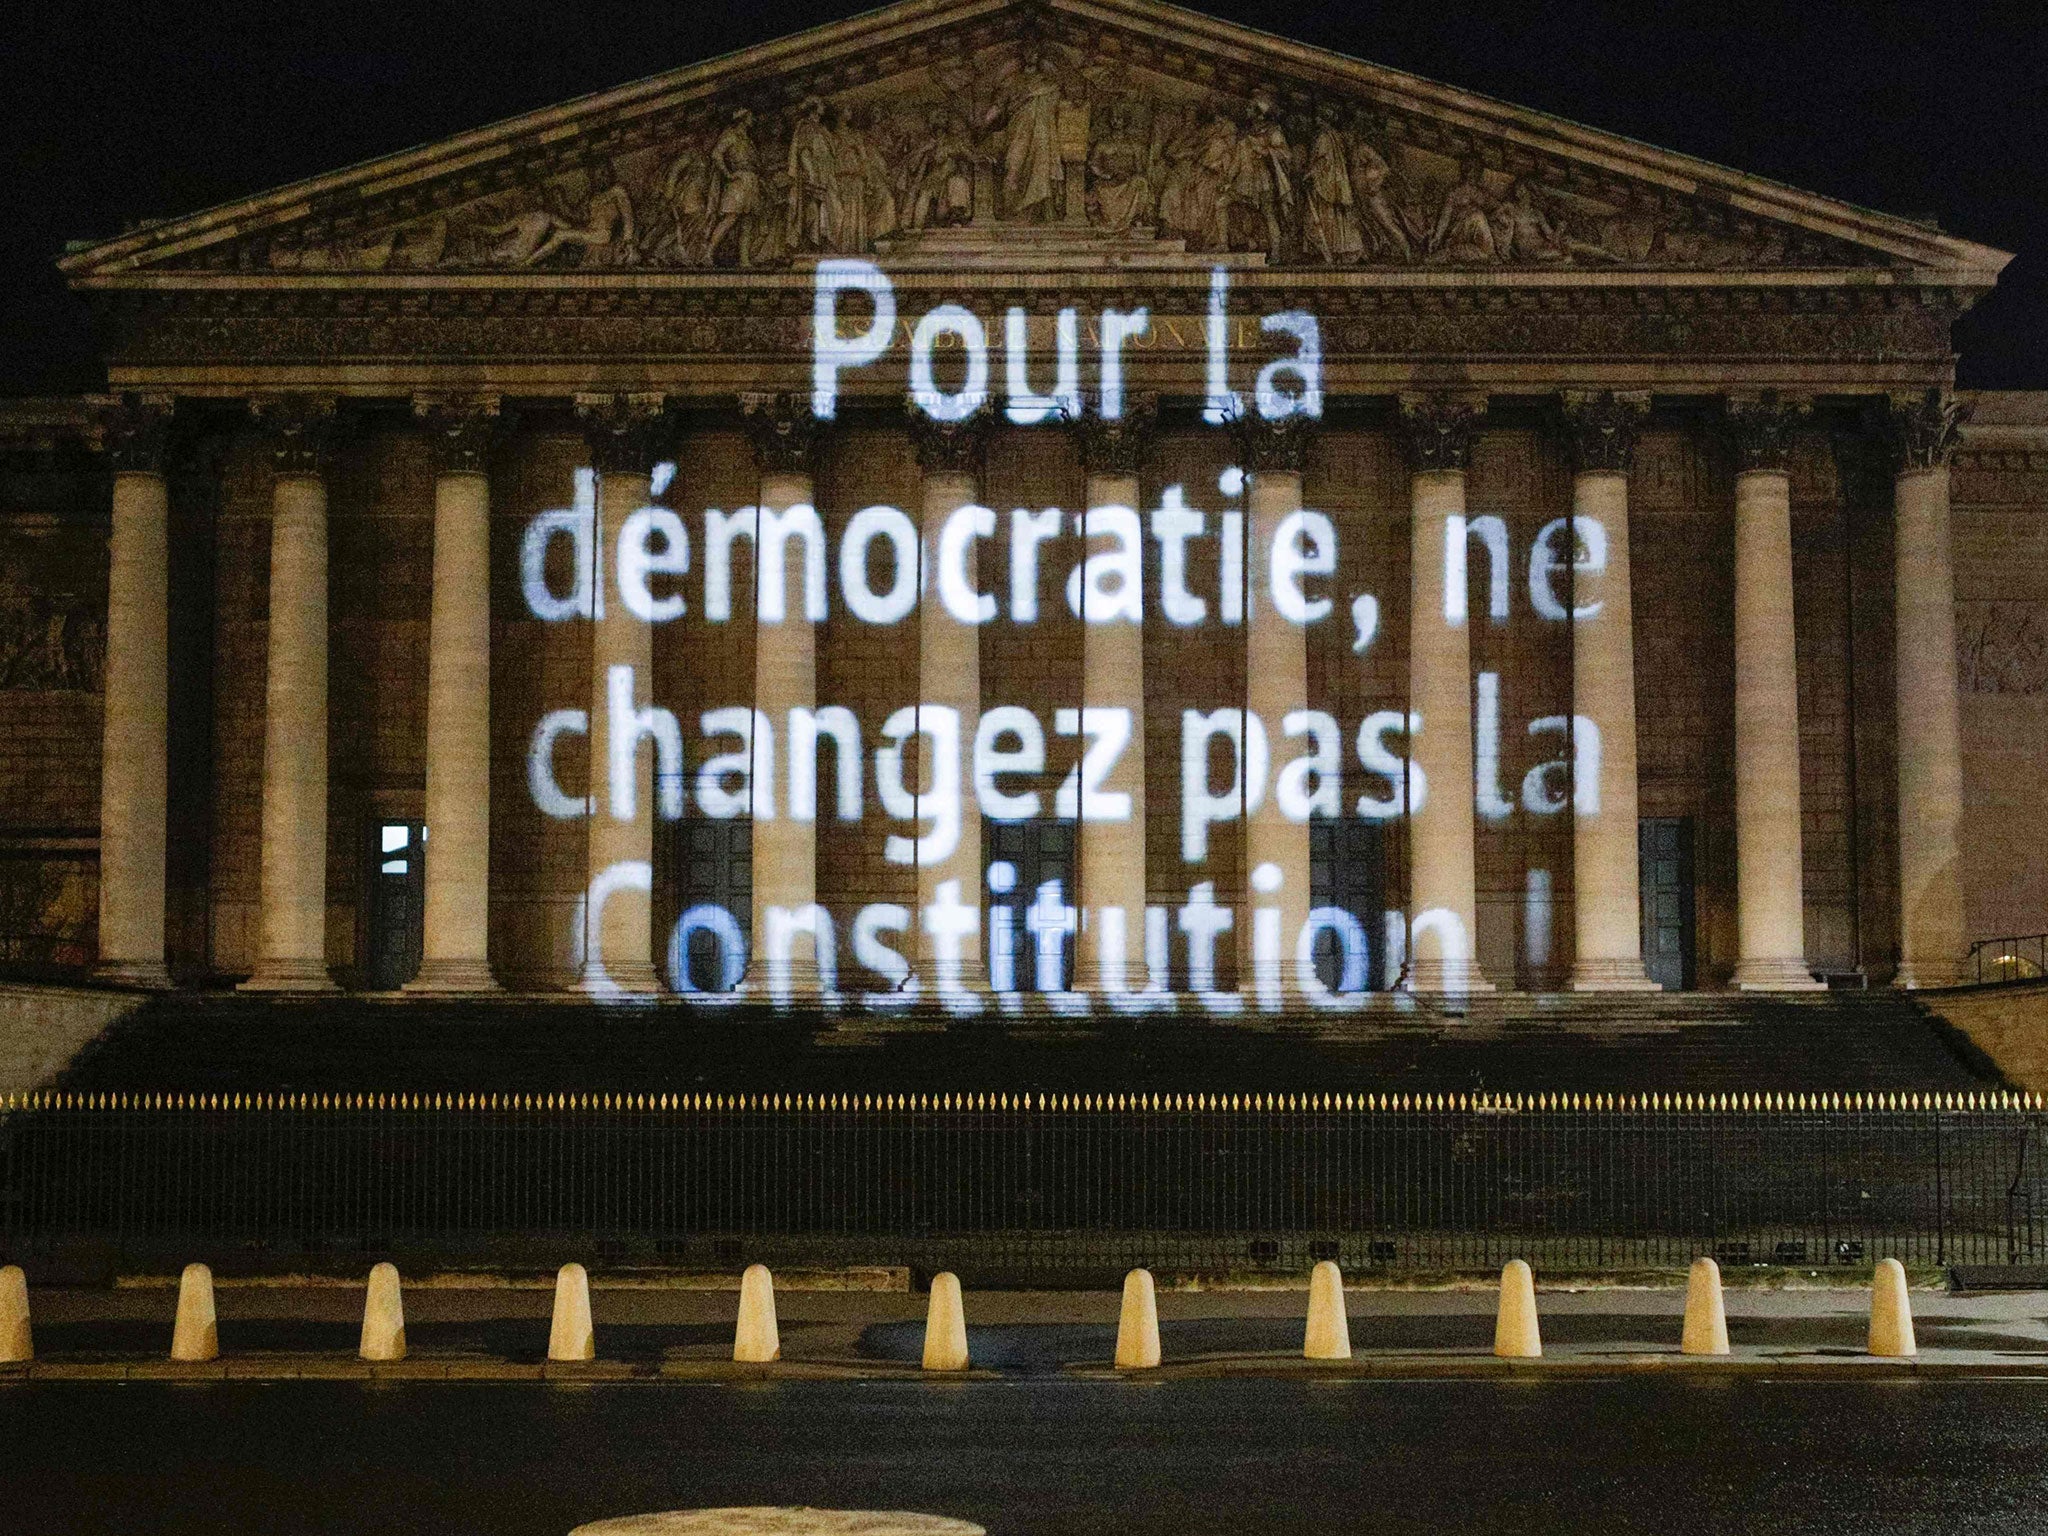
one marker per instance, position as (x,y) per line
(1039,144)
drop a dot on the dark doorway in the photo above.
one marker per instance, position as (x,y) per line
(1664,872)
(1347,871)
(714,876)
(396,927)
(1030,864)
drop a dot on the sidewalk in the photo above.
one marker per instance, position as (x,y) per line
(311,1332)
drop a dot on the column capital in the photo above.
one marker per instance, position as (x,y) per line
(461,428)
(626,433)
(1760,427)
(301,429)
(1922,429)
(1437,430)
(1117,446)
(1600,428)
(948,447)
(133,431)
(1273,447)
(784,431)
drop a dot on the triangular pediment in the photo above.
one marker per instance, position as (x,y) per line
(1013,133)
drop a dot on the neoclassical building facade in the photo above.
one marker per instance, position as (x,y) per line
(987,499)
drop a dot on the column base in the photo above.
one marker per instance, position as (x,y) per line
(1446,978)
(1778,975)
(290,976)
(970,977)
(790,984)
(630,982)
(1129,977)
(1917,975)
(147,974)
(1612,976)
(453,978)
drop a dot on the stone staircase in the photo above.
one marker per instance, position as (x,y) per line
(1691,1042)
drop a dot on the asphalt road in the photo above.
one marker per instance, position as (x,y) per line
(1035,1456)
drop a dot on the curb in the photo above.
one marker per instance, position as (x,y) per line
(1200,1368)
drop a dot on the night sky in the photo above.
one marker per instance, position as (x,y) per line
(112,112)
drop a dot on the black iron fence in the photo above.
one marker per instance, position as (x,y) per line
(2017,957)
(1019,1188)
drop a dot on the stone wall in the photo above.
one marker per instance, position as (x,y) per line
(2000,538)
(53,594)
(43,1027)
(2009,1024)
(52,579)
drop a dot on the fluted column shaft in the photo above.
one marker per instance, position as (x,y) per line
(456,943)
(1607,904)
(1931,935)
(134,740)
(292,927)
(626,433)
(1770,904)
(785,850)
(1606,889)
(1276,853)
(1109,952)
(1443,906)
(951,963)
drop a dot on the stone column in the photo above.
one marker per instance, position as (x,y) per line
(1442,904)
(456,949)
(1276,854)
(134,737)
(949,674)
(1606,900)
(291,954)
(1109,951)
(626,434)
(1931,937)
(1770,898)
(785,436)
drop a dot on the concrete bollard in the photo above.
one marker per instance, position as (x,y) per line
(196,1334)
(1891,1312)
(1328,1336)
(756,1339)
(1515,1334)
(1137,1325)
(1706,1320)
(945,1326)
(383,1316)
(16,1342)
(570,1335)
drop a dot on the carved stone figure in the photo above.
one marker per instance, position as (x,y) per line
(1196,202)
(2002,648)
(605,236)
(517,238)
(417,244)
(867,202)
(50,644)
(686,209)
(1463,232)
(1263,183)
(1034,174)
(1330,230)
(1176,148)
(1378,219)
(813,219)
(1121,167)
(942,174)
(735,191)
(1523,232)
(1039,131)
